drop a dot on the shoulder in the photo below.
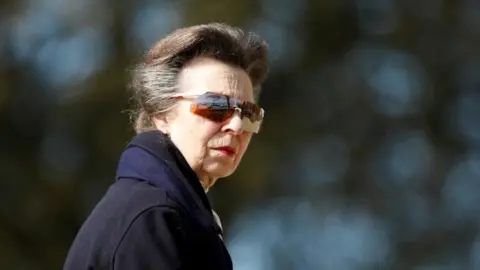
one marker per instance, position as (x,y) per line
(128,198)
(156,221)
(156,237)
(127,213)
(160,221)
(124,202)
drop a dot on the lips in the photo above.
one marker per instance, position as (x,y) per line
(229,151)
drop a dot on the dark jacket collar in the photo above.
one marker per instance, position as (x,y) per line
(152,153)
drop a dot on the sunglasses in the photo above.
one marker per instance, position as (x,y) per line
(218,108)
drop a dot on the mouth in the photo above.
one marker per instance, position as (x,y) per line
(226,150)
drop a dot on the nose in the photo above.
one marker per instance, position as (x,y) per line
(234,124)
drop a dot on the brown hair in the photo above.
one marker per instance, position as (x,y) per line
(155,77)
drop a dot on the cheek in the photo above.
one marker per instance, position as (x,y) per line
(195,131)
(206,130)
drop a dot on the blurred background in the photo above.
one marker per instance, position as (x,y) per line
(369,157)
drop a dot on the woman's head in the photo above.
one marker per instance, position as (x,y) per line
(186,82)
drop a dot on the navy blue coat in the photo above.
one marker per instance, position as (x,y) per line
(156,215)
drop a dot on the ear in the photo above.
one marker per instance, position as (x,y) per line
(161,123)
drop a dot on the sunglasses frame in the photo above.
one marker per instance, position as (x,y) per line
(236,104)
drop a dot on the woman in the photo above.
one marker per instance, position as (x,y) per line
(195,93)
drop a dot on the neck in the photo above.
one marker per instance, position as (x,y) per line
(206,181)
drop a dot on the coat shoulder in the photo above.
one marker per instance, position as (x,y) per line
(124,202)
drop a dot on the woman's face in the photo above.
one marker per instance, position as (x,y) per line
(205,144)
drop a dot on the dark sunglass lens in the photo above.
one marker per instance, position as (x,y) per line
(217,115)
(212,106)
(216,102)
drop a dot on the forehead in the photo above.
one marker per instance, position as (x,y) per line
(211,75)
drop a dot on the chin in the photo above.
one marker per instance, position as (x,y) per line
(219,170)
